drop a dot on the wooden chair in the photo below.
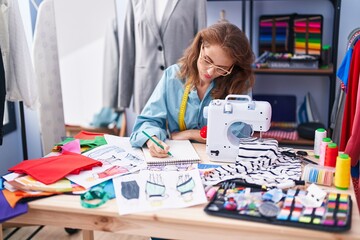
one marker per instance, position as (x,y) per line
(72,130)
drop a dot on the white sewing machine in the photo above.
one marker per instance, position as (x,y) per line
(221,144)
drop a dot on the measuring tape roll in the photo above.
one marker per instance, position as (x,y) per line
(182,111)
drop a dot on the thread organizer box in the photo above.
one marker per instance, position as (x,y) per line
(238,202)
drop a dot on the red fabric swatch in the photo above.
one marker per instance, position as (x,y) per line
(51,169)
(88,135)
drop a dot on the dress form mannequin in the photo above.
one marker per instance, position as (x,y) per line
(154,37)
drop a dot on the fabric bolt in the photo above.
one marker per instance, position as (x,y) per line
(47,69)
(147,49)
(19,71)
(351,98)
(7,212)
(51,169)
(258,162)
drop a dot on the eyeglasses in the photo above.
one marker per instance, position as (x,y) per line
(219,70)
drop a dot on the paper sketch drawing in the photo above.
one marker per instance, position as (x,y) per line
(185,186)
(116,161)
(160,190)
(155,189)
(130,190)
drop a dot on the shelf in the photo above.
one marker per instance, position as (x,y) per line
(285,142)
(299,142)
(247,14)
(325,71)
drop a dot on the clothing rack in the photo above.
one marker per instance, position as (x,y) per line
(23,131)
(353,37)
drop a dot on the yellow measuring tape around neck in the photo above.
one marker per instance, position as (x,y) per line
(182,111)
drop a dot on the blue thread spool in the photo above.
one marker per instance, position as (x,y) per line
(318,174)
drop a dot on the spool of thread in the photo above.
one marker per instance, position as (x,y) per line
(324,143)
(320,133)
(331,154)
(342,171)
(210,193)
(318,174)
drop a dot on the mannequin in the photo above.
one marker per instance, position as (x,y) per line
(148,48)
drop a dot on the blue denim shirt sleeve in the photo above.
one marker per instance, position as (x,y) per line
(163,106)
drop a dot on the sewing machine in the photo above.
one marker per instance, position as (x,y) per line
(224,116)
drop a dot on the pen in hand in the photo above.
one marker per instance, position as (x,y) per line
(158,144)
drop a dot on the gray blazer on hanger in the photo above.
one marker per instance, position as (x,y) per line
(147,49)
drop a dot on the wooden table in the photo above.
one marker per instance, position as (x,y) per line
(185,223)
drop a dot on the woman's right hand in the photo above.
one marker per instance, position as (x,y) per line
(192,134)
(157,151)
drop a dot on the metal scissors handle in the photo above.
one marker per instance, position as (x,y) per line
(299,154)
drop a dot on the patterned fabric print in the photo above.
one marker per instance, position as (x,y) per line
(259,162)
(356,185)
(281,135)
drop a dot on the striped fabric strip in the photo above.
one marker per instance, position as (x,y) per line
(259,162)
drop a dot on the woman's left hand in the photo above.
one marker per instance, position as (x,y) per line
(193,134)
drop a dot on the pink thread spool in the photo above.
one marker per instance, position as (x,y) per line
(320,133)
(323,146)
(331,155)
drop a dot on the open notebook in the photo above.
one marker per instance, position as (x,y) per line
(182,151)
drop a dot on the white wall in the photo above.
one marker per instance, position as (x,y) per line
(81,26)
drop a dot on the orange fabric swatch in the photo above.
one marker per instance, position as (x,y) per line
(13,197)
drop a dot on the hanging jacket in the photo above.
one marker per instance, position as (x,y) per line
(148,49)
(19,71)
(351,98)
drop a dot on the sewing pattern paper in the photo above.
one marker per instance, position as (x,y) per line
(115,160)
(155,190)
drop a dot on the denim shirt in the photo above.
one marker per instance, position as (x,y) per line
(164,104)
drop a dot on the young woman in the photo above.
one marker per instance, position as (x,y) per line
(216,64)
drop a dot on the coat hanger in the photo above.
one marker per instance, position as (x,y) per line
(353,37)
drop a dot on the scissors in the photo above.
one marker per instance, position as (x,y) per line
(299,154)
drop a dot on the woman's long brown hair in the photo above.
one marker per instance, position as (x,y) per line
(234,42)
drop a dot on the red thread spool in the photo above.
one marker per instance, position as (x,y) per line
(203,131)
(331,154)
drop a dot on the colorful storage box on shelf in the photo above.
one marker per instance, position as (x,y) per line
(308,34)
(275,33)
